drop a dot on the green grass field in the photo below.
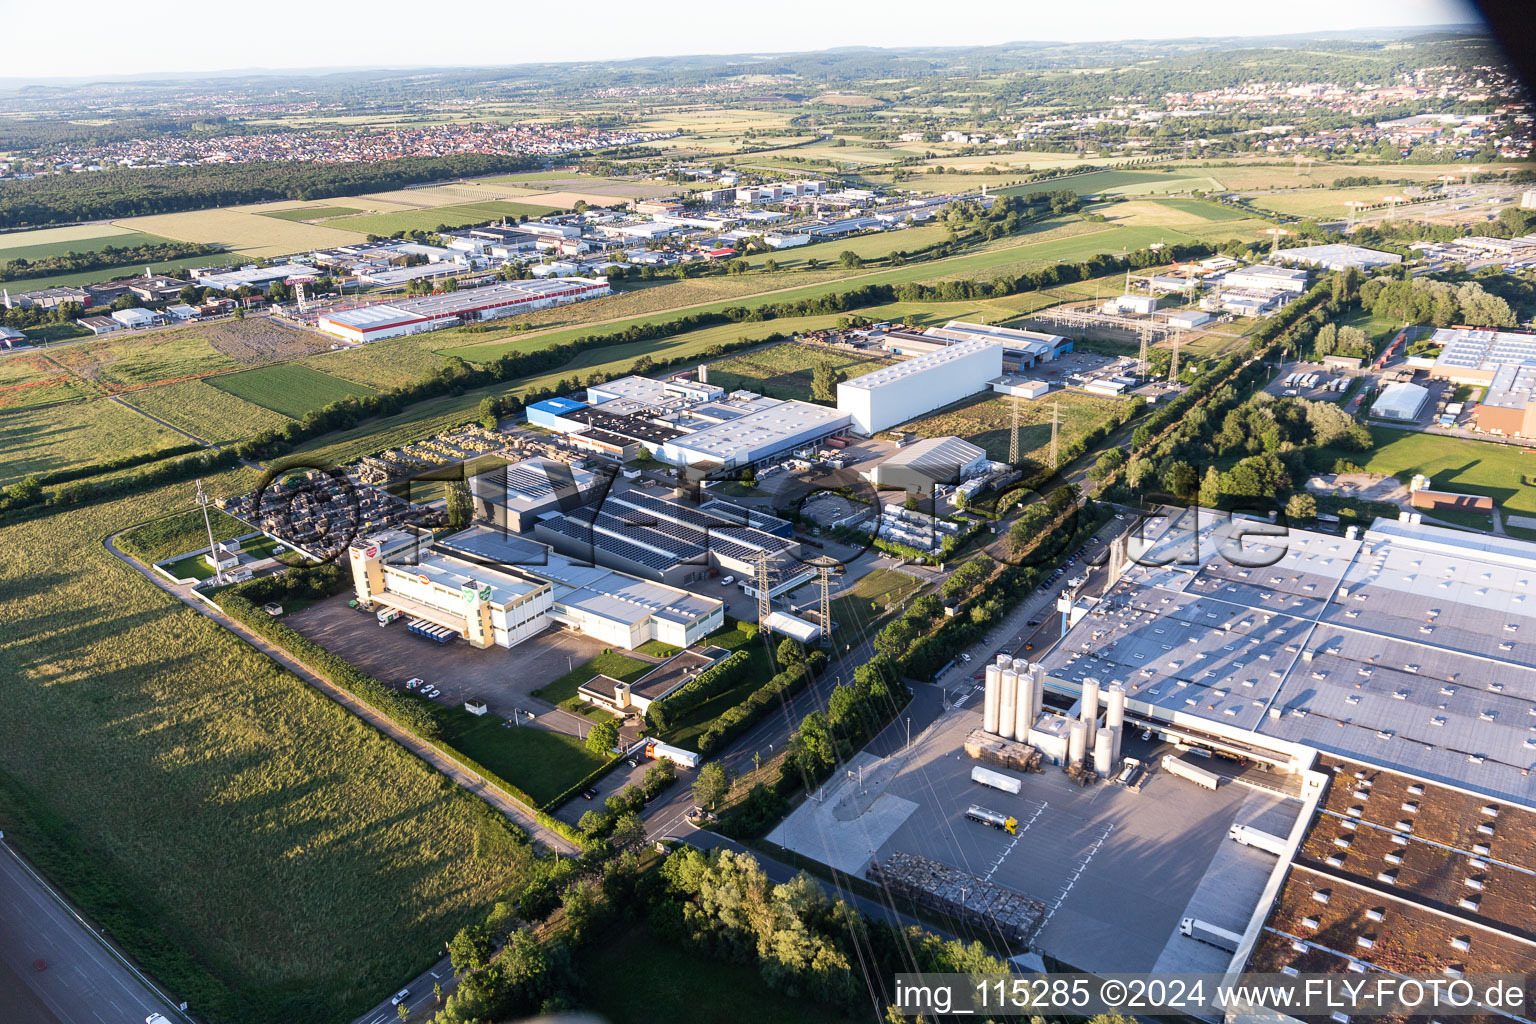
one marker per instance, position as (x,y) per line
(1456,464)
(431,220)
(1324,204)
(562,691)
(541,763)
(1198,209)
(205,411)
(251,844)
(785,371)
(304,213)
(291,389)
(634,977)
(46,438)
(988,421)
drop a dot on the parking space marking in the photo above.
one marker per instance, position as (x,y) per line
(1082,865)
(1019,834)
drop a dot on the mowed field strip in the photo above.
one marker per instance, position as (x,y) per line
(291,389)
(248,233)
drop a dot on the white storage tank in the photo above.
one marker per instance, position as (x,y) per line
(1006,707)
(1077,742)
(1104,753)
(1114,711)
(1089,710)
(990,698)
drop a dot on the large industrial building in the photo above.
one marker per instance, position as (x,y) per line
(1406,648)
(1283,279)
(1337,257)
(1503,362)
(669,540)
(515,497)
(894,394)
(687,423)
(493,588)
(260,278)
(1021,349)
(413,316)
(933,460)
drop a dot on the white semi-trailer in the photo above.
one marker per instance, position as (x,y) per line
(1203,931)
(997,780)
(677,755)
(1250,836)
(1190,772)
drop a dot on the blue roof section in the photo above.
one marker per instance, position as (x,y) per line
(558,406)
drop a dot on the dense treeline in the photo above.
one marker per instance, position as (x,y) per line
(734,721)
(716,679)
(103,258)
(135,192)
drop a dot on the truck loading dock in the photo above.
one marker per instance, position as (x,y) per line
(1116,869)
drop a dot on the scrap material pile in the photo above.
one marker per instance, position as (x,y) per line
(962,896)
(992,750)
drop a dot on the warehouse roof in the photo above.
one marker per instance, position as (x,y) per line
(1410,649)
(1471,349)
(764,428)
(229,280)
(1337,256)
(1400,401)
(365,318)
(938,458)
(917,365)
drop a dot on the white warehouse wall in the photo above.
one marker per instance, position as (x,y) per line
(895,394)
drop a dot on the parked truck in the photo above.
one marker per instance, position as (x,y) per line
(388,615)
(997,780)
(1190,772)
(677,755)
(1006,823)
(1250,836)
(1204,931)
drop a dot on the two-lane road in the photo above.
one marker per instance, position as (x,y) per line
(83,980)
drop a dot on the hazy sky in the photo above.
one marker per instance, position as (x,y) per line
(95,39)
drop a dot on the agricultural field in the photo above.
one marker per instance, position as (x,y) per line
(128,359)
(251,234)
(869,247)
(314,213)
(260,339)
(38,440)
(1324,204)
(73,236)
(785,371)
(540,762)
(1126,182)
(315,863)
(1169,211)
(441,216)
(204,411)
(988,421)
(28,379)
(383,364)
(291,389)
(12,246)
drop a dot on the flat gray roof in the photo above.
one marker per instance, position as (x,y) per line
(1413,648)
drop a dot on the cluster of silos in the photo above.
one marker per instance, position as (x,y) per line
(1012,698)
(1105,742)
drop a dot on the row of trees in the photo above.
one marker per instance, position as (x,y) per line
(136,192)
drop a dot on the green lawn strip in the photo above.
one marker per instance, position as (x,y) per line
(562,691)
(540,762)
(292,389)
(314,213)
(657,649)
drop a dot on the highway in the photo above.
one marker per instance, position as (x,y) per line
(82,980)
(421,999)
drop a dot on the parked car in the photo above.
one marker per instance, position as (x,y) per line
(1033,622)
(728,581)
(965,657)
(272,608)
(411,684)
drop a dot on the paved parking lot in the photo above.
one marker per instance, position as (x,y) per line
(1116,869)
(502,678)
